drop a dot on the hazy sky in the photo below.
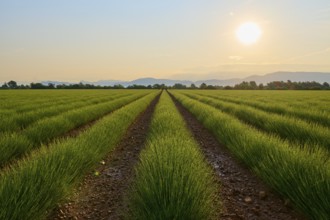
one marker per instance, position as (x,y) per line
(72,40)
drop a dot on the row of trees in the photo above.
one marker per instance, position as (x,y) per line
(281,85)
(252,85)
(13,85)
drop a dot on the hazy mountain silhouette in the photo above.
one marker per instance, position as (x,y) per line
(293,76)
(277,76)
(152,81)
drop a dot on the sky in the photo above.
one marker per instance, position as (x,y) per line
(73,40)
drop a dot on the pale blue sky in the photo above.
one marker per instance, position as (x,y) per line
(74,40)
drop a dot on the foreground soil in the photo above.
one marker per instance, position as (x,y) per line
(242,194)
(103,192)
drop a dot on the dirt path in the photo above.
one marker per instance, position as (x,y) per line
(102,196)
(243,195)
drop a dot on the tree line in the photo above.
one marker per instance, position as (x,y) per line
(252,85)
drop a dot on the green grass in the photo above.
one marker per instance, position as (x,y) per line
(12,121)
(310,101)
(37,184)
(295,130)
(21,101)
(264,129)
(172,179)
(282,107)
(297,174)
(14,145)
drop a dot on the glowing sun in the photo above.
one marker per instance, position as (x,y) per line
(248,33)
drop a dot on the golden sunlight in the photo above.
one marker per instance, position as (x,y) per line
(248,33)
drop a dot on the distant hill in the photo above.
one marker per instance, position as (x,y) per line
(152,81)
(55,83)
(217,82)
(104,82)
(140,81)
(277,76)
(293,76)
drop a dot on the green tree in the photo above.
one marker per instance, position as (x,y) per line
(203,86)
(4,86)
(118,86)
(179,86)
(51,86)
(253,85)
(38,86)
(12,84)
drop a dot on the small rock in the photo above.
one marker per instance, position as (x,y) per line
(287,203)
(262,195)
(256,211)
(236,192)
(248,199)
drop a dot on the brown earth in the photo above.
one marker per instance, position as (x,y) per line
(242,194)
(102,194)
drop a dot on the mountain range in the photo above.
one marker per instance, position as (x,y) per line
(277,76)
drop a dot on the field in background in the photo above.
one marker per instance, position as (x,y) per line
(50,139)
(283,136)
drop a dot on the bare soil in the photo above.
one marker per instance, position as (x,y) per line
(102,194)
(242,194)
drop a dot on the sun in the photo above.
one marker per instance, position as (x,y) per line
(248,33)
